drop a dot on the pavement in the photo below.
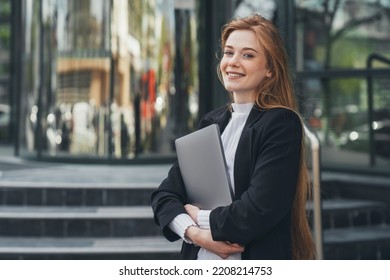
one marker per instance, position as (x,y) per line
(19,171)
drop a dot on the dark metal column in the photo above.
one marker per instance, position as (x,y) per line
(212,15)
(285,20)
(17,36)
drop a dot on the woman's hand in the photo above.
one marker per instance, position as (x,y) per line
(192,210)
(203,238)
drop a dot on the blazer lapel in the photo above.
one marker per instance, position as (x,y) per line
(254,115)
(223,119)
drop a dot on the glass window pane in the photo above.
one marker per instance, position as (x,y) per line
(5,43)
(337,109)
(341,34)
(30,79)
(112,79)
(156,97)
(80,71)
(266,8)
(66,78)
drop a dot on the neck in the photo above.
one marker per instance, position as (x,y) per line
(242,98)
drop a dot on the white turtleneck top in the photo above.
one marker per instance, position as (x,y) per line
(230,137)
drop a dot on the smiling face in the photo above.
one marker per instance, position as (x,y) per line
(243,65)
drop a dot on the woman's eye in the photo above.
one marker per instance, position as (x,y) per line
(229,53)
(248,55)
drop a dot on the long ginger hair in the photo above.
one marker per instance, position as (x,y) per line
(275,92)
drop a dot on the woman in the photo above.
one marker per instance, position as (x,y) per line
(262,137)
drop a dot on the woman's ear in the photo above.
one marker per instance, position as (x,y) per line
(268,74)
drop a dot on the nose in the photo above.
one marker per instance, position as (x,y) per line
(234,61)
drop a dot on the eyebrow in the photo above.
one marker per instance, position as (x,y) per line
(245,49)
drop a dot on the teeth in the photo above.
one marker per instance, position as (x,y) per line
(235,75)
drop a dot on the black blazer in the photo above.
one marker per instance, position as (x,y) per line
(265,175)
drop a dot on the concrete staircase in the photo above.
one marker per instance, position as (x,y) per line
(91,223)
(65,216)
(355,222)
(102,212)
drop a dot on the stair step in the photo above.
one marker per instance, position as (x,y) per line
(65,222)
(77,194)
(81,185)
(69,212)
(367,243)
(339,205)
(338,213)
(146,247)
(85,176)
(374,234)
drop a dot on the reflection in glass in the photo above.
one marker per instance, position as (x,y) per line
(341,34)
(30,83)
(81,61)
(344,134)
(163,75)
(5,44)
(66,70)
(265,8)
(112,79)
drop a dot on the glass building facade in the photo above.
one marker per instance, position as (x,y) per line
(342,60)
(122,79)
(5,62)
(107,79)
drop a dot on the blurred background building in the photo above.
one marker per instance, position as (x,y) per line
(117,81)
(120,80)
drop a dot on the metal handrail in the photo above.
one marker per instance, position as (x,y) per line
(317,209)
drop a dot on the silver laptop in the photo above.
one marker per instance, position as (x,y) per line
(203,168)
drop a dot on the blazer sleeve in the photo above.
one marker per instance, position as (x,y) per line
(168,201)
(273,178)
